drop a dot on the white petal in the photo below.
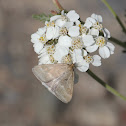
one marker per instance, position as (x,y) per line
(77,56)
(46,22)
(73,31)
(90,19)
(77,22)
(84,52)
(56,32)
(35,38)
(106,33)
(44,60)
(94,32)
(92,48)
(50,33)
(97,17)
(62,12)
(53,18)
(104,52)
(60,53)
(83,66)
(68,25)
(97,60)
(41,31)
(88,40)
(60,22)
(42,52)
(72,15)
(111,47)
(88,24)
(38,47)
(65,41)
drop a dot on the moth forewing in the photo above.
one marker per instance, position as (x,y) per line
(57,78)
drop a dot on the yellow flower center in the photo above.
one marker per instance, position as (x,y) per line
(63,31)
(50,24)
(83,29)
(43,39)
(98,26)
(89,59)
(51,49)
(100,41)
(51,59)
(64,18)
(67,59)
(77,43)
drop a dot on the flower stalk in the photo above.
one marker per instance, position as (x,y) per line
(118,42)
(109,88)
(58,5)
(115,15)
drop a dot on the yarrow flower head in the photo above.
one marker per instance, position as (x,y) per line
(65,39)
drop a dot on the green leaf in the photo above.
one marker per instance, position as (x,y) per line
(42,17)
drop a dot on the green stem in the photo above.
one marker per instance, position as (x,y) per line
(109,88)
(115,15)
(118,42)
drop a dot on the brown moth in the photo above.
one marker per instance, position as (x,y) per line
(57,78)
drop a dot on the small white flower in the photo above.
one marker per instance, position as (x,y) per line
(94,32)
(72,16)
(89,22)
(43,39)
(68,24)
(60,52)
(77,56)
(88,40)
(77,43)
(94,21)
(45,59)
(83,66)
(61,22)
(41,31)
(63,31)
(105,49)
(65,41)
(46,54)
(38,46)
(66,20)
(97,17)
(54,18)
(36,36)
(67,59)
(79,61)
(52,32)
(73,31)
(83,29)
(106,33)
(49,24)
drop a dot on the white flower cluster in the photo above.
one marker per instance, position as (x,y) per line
(65,39)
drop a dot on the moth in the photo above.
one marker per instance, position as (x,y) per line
(57,78)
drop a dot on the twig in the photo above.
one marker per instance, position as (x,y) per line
(115,15)
(109,88)
(58,5)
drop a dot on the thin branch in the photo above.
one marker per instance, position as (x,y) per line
(58,5)
(109,88)
(115,15)
(118,42)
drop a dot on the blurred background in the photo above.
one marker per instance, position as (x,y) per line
(25,102)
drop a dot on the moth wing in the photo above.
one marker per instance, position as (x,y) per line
(60,85)
(64,88)
(48,72)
